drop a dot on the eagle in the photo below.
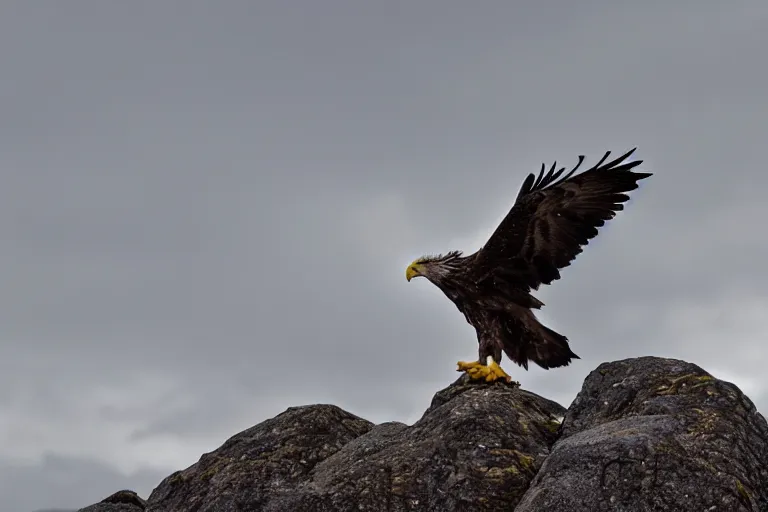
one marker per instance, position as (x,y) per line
(554,216)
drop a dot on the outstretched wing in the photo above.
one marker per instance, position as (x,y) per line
(552,219)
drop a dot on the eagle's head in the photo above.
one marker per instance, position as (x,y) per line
(418,268)
(433,267)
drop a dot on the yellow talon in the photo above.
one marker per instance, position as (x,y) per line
(498,372)
(474,369)
(489,373)
(464,365)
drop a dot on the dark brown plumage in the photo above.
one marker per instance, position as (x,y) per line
(554,216)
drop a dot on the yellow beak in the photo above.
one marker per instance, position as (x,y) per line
(411,272)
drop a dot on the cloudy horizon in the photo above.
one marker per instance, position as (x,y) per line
(207,211)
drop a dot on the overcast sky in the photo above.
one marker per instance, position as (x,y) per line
(207,209)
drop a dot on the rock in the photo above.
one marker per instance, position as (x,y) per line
(643,434)
(655,434)
(259,464)
(476,448)
(121,501)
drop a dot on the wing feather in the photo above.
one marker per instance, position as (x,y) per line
(553,218)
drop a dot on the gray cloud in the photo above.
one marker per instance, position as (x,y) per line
(206,213)
(61,482)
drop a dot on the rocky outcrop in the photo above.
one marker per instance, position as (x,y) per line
(653,434)
(476,445)
(643,434)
